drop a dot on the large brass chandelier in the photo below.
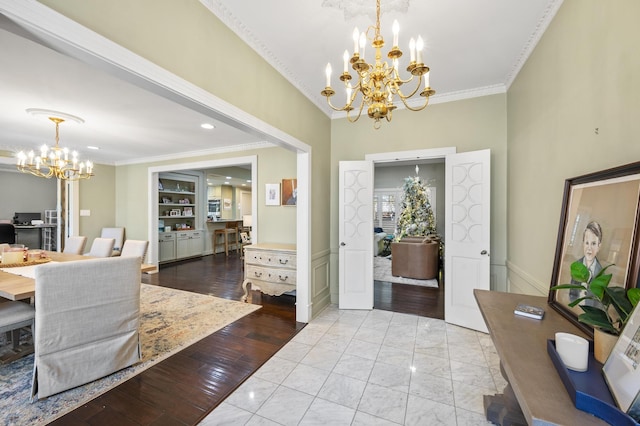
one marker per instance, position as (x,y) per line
(379,83)
(55,162)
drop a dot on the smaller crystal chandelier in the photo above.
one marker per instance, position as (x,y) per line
(380,83)
(55,161)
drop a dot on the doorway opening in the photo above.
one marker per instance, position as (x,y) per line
(249,162)
(410,292)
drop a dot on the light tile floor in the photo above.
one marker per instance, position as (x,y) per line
(370,368)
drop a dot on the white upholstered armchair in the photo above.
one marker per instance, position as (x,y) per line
(87,319)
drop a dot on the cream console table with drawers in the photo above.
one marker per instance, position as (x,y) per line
(270,268)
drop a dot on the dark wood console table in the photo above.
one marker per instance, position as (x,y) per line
(521,344)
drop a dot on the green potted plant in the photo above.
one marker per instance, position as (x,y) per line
(612,308)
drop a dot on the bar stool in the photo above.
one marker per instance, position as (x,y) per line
(230,229)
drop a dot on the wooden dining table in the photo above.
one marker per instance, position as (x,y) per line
(18,287)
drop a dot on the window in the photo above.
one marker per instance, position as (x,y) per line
(386,203)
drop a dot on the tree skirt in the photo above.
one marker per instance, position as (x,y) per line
(170,321)
(382,272)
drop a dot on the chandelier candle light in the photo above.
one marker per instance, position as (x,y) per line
(55,161)
(380,83)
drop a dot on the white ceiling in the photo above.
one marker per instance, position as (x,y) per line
(473,47)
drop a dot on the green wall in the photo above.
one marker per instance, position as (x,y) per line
(98,195)
(42,193)
(582,76)
(277,224)
(188,40)
(573,109)
(468,125)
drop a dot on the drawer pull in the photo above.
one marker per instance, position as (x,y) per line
(258,274)
(285,261)
(283,279)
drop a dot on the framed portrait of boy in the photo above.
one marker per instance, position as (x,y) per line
(598,227)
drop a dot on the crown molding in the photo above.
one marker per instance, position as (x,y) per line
(543,24)
(199,153)
(443,98)
(218,8)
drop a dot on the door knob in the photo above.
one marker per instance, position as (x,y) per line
(342,244)
(484,252)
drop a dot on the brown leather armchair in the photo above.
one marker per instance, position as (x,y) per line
(415,258)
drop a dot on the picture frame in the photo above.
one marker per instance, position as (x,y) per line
(622,369)
(289,192)
(187,211)
(174,212)
(272,194)
(605,203)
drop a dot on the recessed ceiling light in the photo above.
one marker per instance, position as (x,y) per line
(227,177)
(226,183)
(207,126)
(93,147)
(248,180)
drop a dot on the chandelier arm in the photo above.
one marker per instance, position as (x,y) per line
(400,80)
(36,172)
(418,108)
(415,90)
(359,113)
(336,108)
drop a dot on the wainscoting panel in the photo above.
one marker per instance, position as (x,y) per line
(498,278)
(320,280)
(519,281)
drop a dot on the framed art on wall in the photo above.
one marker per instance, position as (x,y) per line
(272,194)
(289,192)
(598,227)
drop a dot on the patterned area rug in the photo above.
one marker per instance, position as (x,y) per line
(382,272)
(170,321)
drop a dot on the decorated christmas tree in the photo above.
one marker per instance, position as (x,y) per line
(416,217)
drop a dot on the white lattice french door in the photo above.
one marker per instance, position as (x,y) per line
(467,235)
(355,233)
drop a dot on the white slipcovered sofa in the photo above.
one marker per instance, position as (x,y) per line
(378,245)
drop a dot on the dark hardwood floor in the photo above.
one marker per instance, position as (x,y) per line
(185,387)
(409,299)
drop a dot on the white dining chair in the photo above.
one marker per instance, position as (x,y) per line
(75,245)
(14,316)
(101,247)
(87,318)
(118,235)
(135,248)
